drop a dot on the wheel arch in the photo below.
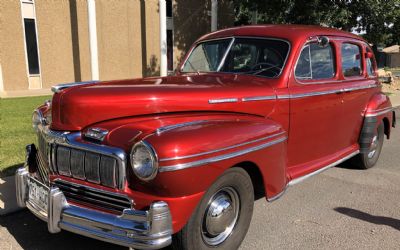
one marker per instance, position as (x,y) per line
(256,177)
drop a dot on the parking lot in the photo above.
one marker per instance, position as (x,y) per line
(342,208)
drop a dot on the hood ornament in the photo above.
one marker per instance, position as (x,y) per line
(96,133)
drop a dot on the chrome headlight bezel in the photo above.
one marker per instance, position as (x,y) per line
(153,158)
(37,119)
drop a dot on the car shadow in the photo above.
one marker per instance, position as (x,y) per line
(31,233)
(378,220)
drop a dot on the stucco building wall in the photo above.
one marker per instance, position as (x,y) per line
(127,37)
(12,51)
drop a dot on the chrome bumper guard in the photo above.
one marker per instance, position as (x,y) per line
(150,229)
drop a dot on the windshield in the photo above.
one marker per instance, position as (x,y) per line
(255,56)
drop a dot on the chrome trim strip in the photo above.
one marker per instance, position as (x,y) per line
(223,100)
(258,98)
(78,186)
(221,157)
(161,130)
(225,54)
(302,178)
(221,149)
(379,112)
(327,92)
(59,87)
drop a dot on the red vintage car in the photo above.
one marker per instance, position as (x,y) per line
(146,163)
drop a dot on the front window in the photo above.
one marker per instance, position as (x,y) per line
(255,56)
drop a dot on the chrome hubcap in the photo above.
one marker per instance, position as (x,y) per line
(220,216)
(373,147)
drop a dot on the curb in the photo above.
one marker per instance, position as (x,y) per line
(8,200)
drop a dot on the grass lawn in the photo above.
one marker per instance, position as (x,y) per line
(16,130)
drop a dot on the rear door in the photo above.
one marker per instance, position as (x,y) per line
(359,82)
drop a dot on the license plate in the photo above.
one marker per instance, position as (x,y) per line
(38,194)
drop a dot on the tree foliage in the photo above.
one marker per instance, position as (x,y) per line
(377,20)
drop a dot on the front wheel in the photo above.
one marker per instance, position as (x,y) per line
(223,216)
(369,158)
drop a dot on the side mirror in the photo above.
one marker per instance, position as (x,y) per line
(369,54)
(323,41)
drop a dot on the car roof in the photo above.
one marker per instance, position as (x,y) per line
(289,32)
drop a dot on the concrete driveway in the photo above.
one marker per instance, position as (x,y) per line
(341,208)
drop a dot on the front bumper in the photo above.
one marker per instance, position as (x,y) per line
(151,229)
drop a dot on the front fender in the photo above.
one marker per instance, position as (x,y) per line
(193,155)
(195,150)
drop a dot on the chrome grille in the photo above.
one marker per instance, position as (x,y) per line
(93,197)
(85,165)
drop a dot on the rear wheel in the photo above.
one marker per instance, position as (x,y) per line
(223,216)
(370,157)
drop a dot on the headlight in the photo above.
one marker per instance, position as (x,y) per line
(37,118)
(144,161)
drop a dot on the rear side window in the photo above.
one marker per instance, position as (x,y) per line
(315,62)
(351,60)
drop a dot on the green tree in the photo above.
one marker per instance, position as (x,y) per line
(377,20)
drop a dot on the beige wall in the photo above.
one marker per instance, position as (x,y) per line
(127,32)
(12,51)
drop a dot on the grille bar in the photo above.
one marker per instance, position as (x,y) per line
(97,198)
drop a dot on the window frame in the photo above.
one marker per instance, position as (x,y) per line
(32,15)
(362,60)
(334,78)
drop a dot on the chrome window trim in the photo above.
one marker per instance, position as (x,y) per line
(228,49)
(327,92)
(379,112)
(59,87)
(225,54)
(221,149)
(221,157)
(223,100)
(258,98)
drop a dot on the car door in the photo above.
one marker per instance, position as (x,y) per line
(359,82)
(316,121)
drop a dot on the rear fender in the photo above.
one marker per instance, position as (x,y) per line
(379,109)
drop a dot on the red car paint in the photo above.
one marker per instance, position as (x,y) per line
(320,129)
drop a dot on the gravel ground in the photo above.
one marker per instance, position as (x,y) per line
(341,208)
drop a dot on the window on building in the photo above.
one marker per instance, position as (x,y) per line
(315,62)
(170,50)
(31,46)
(169,8)
(351,59)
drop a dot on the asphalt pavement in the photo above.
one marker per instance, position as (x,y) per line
(341,208)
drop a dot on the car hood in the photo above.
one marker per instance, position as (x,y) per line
(78,107)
